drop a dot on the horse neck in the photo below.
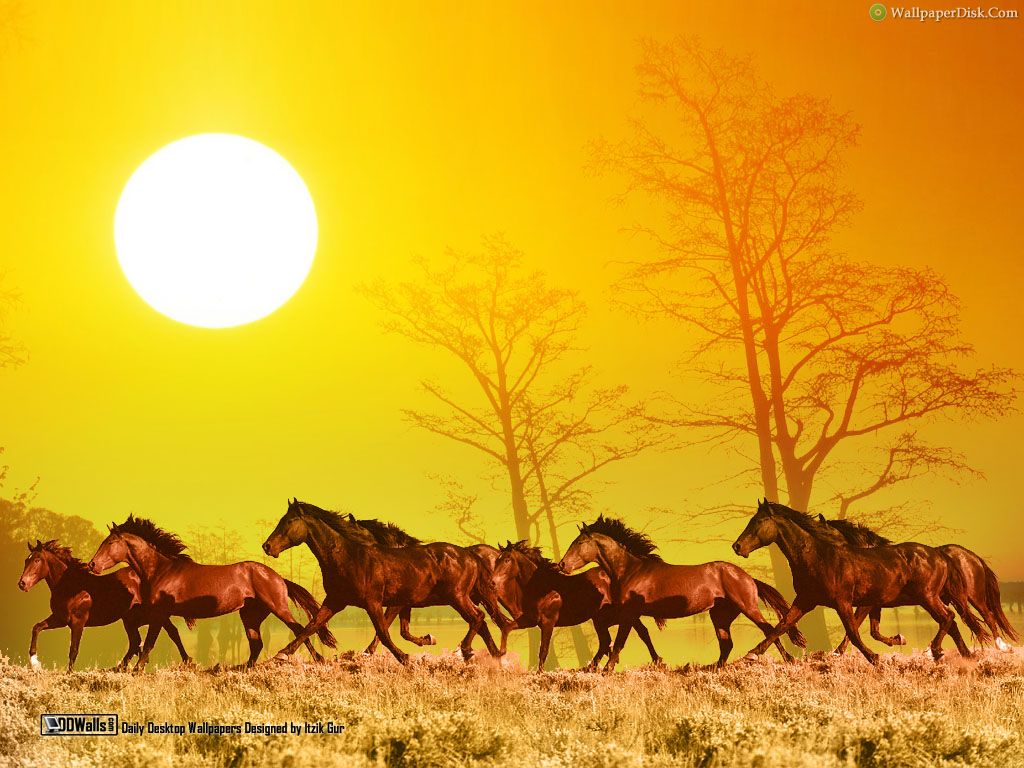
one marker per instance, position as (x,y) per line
(55,570)
(616,560)
(513,589)
(146,561)
(799,546)
(322,540)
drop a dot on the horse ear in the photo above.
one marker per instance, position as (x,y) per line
(29,545)
(39,544)
(821,518)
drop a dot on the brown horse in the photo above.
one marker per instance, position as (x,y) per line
(645,585)
(536,593)
(79,599)
(843,577)
(358,571)
(390,535)
(980,582)
(175,585)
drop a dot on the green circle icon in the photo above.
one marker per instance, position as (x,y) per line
(877,12)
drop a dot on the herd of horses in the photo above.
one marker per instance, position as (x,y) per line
(385,571)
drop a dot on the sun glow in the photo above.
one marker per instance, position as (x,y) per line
(215,230)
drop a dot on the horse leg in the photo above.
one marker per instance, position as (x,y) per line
(645,635)
(604,644)
(858,618)
(477,626)
(723,613)
(151,635)
(172,632)
(625,626)
(78,617)
(845,612)
(403,628)
(876,632)
(546,628)
(946,620)
(389,619)
(752,611)
(773,634)
(131,628)
(77,624)
(506,630)
(279,607)
(50,622)
(252,615)
(322,617)
(376,613)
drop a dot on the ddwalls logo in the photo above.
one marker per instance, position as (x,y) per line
(78,725)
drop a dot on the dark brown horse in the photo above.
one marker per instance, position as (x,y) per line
(980,582)
(842,577)
(645,585)
(536,593)
(175,585)
(358,571)
(390,535)
(79,599)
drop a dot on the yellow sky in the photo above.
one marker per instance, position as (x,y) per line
(416,127)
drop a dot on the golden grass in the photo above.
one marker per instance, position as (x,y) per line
(441,712)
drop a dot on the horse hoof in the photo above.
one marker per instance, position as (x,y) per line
(1002,645)
(899,640)
(281,657)
(33,662)
(430,640)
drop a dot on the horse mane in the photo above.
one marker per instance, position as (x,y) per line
(857,534)
(530,553)
(386,534)
(61,553)
(825,529)
(164,542)
(343,525)
(636,543)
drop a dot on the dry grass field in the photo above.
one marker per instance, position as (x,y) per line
(442,712)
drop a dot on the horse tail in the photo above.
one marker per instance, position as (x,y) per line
(660,623)
(995,604)
(956,591)
(301,597)
(774,599)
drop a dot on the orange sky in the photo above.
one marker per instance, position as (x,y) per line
(416,127)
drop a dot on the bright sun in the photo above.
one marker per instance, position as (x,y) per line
(215,230)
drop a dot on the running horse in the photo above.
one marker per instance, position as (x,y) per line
(173,584)
(390,535)
(357,570)
(980,582)
(645,585)
(80,599)
(842,577)
(536,593)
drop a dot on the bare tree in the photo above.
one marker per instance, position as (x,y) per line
(813,356)
(545,427)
